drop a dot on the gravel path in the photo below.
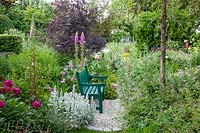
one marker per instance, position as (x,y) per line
(111,119)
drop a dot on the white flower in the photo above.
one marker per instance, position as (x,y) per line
(106,50)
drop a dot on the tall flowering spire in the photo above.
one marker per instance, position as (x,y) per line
(82,41)
(76,38)
(31,28)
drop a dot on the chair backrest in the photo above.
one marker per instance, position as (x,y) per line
(82,77)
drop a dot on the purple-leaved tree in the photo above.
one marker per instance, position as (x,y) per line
(71,17)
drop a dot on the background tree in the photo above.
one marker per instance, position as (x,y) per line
(7,3)
(163,44)
(71,17)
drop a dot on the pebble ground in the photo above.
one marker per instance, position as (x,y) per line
(110,119)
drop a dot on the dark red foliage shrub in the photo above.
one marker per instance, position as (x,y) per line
(71,17)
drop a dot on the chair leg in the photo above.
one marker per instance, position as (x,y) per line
(100,104)
(103,96)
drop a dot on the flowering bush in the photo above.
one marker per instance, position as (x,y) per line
(2,104)
(174,108)
(7,87)
(36,104)
(69,111)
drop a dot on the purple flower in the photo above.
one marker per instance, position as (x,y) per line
(36,104)
(76,38)
(16,91)
(82,41)
(2,104)
(8,83)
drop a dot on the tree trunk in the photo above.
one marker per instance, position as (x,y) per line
(163,44)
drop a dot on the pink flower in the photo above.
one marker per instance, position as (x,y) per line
(82,41)
(2,104)
(36,104)
(76,38)
(8,83)
(81,65)
(97,56)
(16,91)
(71,66)
(62,74)
(51,89)
(5,89)
(73,79)
(62,81)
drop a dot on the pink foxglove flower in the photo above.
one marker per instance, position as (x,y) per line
(82,41)
(51,89)
(16,91)
(62,74)
(62,81)
(8,83)
(31,31)
(2,104)
(71,66)
(73,79)
(76,38)
(36,104)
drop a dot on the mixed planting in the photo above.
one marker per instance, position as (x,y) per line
(43,45)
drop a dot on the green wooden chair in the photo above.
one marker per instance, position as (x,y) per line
(89,89)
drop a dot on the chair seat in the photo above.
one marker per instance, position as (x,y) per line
(92,90)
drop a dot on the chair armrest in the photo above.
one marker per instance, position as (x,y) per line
(92,84)
(96,76)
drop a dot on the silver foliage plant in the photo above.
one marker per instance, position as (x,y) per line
(69,111)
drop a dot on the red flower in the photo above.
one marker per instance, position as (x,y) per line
(16,91)
(5,89)
(36,104)
(8,83)
(2,104)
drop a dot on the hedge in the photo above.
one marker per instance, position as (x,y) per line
(10,43)
(5,24)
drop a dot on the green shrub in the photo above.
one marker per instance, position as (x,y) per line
(101,67)
(119,35)
(47,69)
(179,26)
(10,43)
(146,29)
(4,67)
(5,23)
(172,109)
